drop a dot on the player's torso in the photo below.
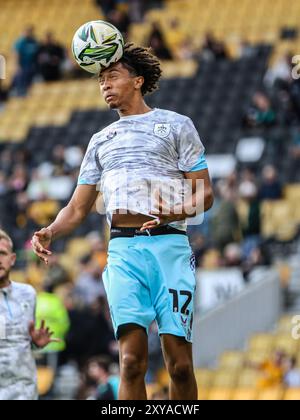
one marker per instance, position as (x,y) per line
(138,144)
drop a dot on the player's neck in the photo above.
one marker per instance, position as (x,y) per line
(5,282)
(134,108)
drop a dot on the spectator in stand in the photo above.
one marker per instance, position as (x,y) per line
(271,371)
(120,19)
(27,50)
(232,255)
(213,49)
(225,221)
(280,74)
(249,212)
(107,385)
(18,180)
(51,56)
(292,373)
(89,285)
(158,43)
(3,184)
(260,113)
(270,188)
(3,94)
(98,249)
(294,173)
(106,6)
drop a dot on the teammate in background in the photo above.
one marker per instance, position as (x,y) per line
(150,272)
(17,331)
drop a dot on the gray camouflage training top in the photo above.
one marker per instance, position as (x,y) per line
(17,365)
(138,154)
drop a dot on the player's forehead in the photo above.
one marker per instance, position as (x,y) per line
(116,67)
(5,246)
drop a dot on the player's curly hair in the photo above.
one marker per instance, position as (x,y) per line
(141,62)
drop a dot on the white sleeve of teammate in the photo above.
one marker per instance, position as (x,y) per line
(189,147)
(90,171)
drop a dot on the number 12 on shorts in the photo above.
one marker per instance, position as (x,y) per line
(184,309)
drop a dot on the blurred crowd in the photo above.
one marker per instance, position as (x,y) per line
(278,370)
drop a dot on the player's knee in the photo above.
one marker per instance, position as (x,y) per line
(181,371)
(133,367)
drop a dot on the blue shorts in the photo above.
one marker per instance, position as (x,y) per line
(151,278)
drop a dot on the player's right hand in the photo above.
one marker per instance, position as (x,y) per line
(40,243)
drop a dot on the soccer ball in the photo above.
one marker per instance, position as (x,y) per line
(97,45)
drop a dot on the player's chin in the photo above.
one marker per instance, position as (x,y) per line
(113,105)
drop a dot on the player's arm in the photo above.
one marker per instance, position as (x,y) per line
(67,220)
(202,192)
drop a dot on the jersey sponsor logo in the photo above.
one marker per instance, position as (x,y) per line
(162,130)
(111,135)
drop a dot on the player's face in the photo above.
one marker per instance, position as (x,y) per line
(7,259)
(117,85)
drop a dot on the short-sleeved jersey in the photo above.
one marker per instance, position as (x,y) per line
(137,155)
(17,365)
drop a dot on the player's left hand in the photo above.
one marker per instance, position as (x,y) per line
(41,337)
(163,215)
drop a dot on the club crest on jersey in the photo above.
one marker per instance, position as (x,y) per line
(162,130)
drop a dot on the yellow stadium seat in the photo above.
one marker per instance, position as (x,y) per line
(78,247)
(287,343)
(232,360)
(220,394)
(225,378)
(45,379)
(203,394)
(257,356)
(248,378)
(244,394)
(163,378)
(204,377)
(261,342)
(292,394)
(270,394)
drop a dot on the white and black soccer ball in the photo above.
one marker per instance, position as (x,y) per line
(97,45)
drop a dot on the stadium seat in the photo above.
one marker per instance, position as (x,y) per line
(244,394)
(261,342)
(248,378)
(225,378)
(232,360)
(270,394)
(45,379)
(78,248)
(287,343)
(292,394)
(204,378)
(220,394)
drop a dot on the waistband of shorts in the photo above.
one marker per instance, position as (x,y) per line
(130,232)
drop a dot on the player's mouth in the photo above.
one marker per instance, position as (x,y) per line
(109,98)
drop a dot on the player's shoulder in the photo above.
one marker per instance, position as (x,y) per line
(171,116)
(23,289)
(104,133)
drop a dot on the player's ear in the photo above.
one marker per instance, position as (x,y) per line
(13,259)
(139,81)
